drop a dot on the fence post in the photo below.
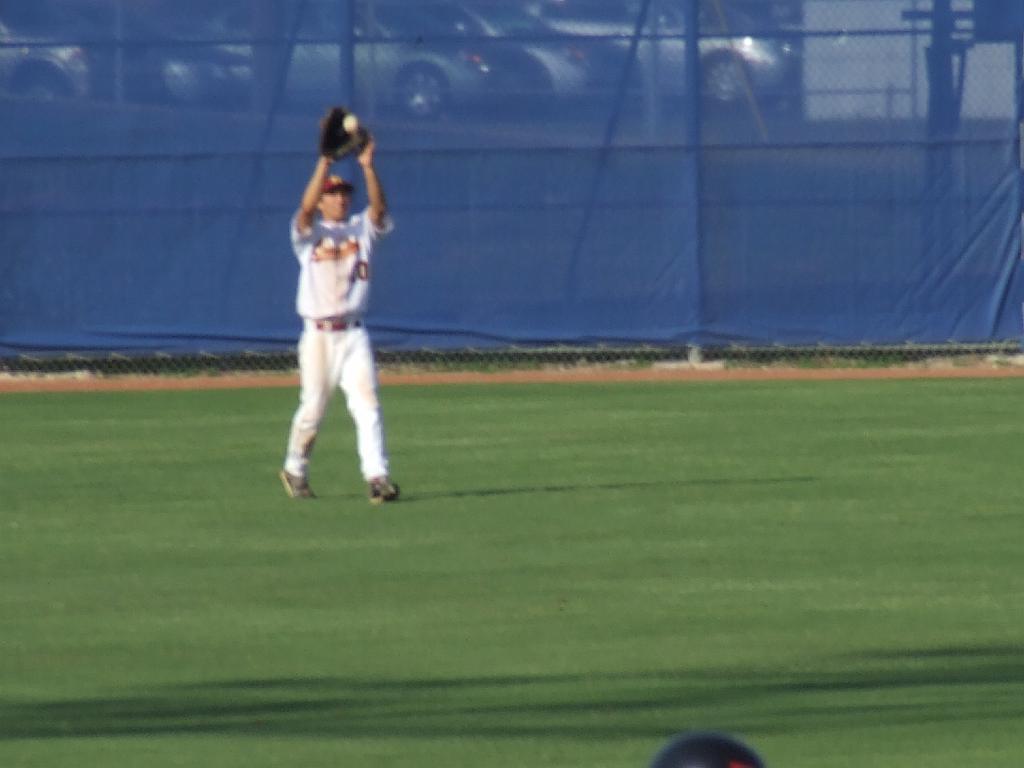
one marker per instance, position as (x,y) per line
(347,55)
(1018,95)
(695,144)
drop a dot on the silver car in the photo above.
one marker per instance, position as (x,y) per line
(415,57)
(404,57)
(526,51)
(732,59)
(35,67)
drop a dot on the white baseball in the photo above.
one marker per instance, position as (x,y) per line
(350,123)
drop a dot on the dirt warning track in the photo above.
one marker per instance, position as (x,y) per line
(21,383)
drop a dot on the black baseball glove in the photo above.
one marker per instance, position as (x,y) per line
(341,134)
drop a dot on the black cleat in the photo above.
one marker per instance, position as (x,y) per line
(295,486)
(382,489)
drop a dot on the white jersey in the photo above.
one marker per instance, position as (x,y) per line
(334,265)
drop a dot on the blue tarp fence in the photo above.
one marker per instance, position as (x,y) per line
(757,172)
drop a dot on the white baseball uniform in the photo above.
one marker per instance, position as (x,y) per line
(334,348)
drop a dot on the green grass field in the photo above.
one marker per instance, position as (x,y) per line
(832,571)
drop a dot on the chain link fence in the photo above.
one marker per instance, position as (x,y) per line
(997,354)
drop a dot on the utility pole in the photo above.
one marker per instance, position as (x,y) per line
(941,225)
(943,106)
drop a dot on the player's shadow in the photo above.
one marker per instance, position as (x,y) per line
(617,486)
(983,683)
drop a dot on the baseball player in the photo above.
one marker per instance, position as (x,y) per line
(335,251)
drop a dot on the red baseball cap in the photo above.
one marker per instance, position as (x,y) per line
(337,184)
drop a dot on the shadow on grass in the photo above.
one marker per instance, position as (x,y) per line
(889,687)
(620,486)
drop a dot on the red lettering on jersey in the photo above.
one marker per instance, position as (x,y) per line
(328,250)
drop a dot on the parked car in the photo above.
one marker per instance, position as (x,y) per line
(405,58)
(188,65)
(530,57)
(35,66)
(210,76)
(418,58)
(733,56)
(143,59)
(124,55)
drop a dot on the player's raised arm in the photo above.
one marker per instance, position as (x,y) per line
(374,191)
(311,197)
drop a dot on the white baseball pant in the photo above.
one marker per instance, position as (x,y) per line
(329,359)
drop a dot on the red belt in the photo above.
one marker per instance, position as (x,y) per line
(335,324)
